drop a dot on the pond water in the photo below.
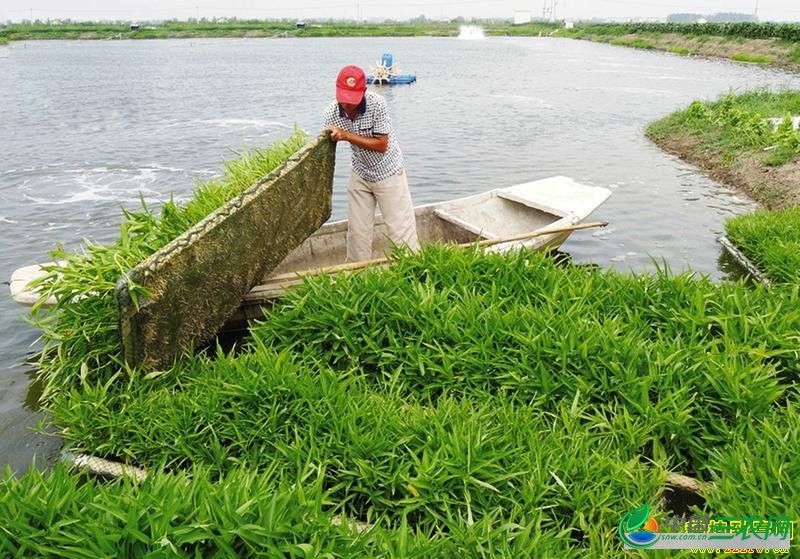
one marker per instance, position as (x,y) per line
(88,125)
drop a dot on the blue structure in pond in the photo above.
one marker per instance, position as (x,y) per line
(385,73)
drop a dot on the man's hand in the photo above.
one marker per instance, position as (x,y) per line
(379,142)
(338,134)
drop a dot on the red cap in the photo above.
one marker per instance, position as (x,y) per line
(351,85)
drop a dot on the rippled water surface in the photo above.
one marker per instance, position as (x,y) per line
(88,126)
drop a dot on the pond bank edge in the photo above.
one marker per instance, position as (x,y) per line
(772,187)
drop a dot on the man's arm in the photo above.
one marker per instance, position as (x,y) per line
(379,142)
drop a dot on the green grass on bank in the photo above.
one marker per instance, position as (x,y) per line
(683,51)
(752,58)
(681,39)
(784,31)
(252,28)
(788,32)
(771,240)
(80,334)
(633,43)
(737,125)
(735,132)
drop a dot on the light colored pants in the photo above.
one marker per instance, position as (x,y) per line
(394,200)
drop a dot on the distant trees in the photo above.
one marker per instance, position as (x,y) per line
(683,18)
(723,17)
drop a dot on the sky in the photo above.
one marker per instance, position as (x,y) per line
(96,10)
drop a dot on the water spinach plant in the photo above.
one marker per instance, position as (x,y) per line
(494,405)
(456,404)
(80,335)
(771,240)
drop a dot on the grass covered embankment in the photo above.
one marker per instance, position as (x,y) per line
(760,43)
(733,140)
(242,28)
(736,142)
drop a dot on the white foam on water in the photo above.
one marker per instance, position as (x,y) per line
(524,99)
(6,220)
(96,184)
(471,32)
(244,122)
(632,90)
(56,227)
(603,233)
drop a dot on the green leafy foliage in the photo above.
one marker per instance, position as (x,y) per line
(771,240)
(80,335)
(675,351)
(750,30)
(455,390)
(385,459)
(757,471)
(190,514)
(736,124)
(242,514)
(752,58)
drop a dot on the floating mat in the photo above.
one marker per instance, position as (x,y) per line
(198,280)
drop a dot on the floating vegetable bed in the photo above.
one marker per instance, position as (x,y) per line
(454,404)
(495,405)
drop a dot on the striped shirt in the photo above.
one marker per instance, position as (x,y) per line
(372,119)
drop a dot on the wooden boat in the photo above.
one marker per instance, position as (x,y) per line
(552,204)
(549,204)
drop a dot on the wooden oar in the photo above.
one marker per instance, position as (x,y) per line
(487,242)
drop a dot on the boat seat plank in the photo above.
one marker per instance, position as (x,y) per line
(516,198)
(560,196)
(483,233)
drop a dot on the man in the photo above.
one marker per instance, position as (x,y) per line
(360,117)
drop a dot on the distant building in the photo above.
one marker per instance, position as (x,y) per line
(521,17)
(134,27)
